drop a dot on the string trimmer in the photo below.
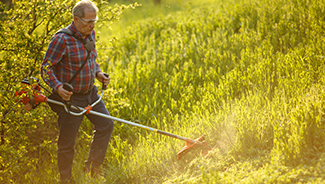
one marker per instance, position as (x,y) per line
(31,101)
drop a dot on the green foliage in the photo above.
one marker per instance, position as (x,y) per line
(28,139)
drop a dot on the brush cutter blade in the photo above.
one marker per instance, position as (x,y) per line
(198,143)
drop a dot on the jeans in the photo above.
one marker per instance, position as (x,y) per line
(68,127)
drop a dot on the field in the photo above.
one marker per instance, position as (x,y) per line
(248,74)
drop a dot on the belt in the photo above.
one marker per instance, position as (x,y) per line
(84,93)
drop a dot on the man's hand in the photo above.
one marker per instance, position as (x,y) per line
(102,78)
(64,93)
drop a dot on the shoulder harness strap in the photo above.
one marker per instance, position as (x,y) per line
(88,45)
(66,31)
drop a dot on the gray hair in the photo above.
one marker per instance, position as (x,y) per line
(79,9)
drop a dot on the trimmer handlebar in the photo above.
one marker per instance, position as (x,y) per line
(68,87)
(104,87)
(84,110)
(32,101)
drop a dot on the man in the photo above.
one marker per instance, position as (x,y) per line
(64,56)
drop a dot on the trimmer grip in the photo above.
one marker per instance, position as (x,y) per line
(104,87)
(68,87)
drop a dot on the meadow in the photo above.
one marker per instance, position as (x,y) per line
(248,74)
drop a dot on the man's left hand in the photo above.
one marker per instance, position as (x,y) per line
(102,78)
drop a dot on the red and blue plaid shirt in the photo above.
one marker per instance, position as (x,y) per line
(64,56)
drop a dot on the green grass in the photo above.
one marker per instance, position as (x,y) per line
(244,73)
(247,74)
(147,10)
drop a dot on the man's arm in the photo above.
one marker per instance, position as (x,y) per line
(54,54)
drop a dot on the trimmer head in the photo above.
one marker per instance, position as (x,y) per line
(191,144)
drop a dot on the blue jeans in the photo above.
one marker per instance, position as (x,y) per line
(68,127)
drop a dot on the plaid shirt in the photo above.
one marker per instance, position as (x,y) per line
(64,56)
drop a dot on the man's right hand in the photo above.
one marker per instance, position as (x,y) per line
(64,93)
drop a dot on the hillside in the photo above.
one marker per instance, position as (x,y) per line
(248,74)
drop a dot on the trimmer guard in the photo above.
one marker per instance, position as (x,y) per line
(192,145)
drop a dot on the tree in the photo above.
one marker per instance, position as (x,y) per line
(26,30)
(6,2)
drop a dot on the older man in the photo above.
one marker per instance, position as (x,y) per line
(64,56)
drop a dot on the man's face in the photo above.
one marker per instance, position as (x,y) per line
(86,24)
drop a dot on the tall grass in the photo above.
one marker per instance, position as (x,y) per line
(260,61)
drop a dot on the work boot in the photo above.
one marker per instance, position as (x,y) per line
(86,170)
(95,171)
